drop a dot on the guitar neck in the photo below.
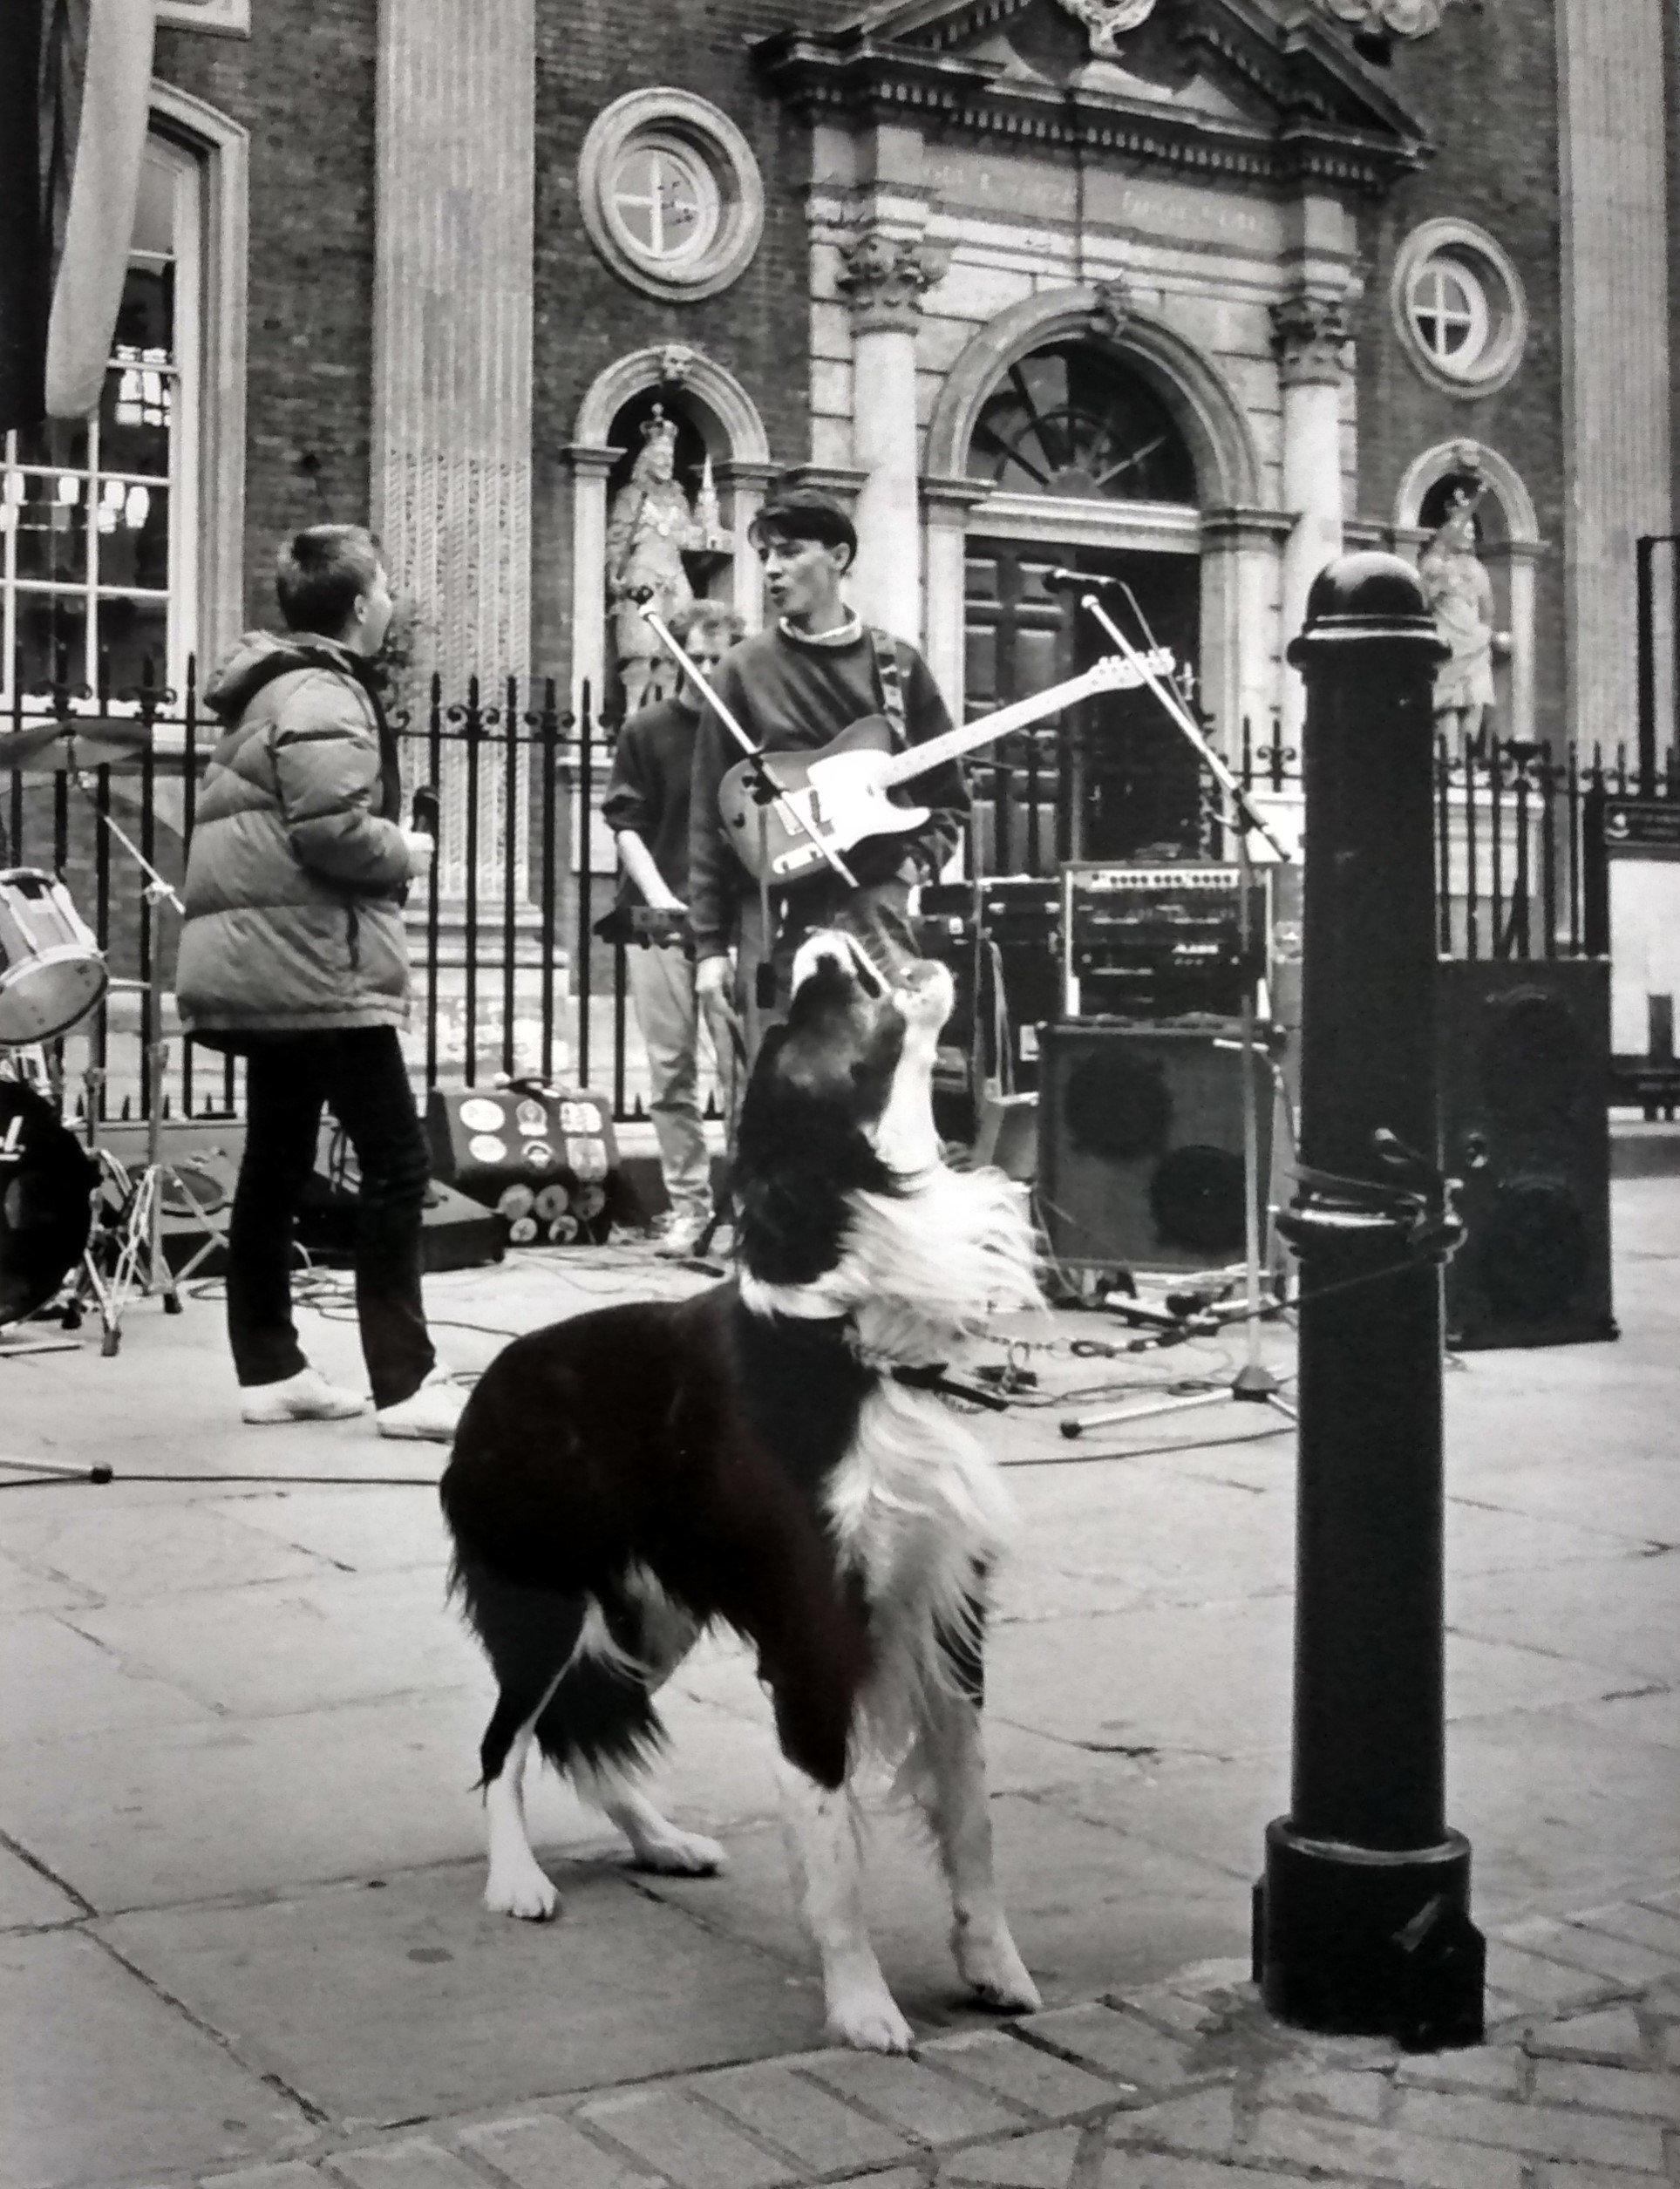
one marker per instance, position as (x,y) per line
(917,759)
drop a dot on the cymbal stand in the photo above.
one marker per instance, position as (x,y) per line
(140,1264)
(1254,1382)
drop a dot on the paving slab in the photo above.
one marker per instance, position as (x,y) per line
(799,2116)
(125,1554)
(674,2136)
(1617,1612)
(542,2151)
(194,1811)
(348,1638)
(1044,2161)
(1088,1908)
(412,2002)
(1212,1678)
(22,1589)
(57,1683)
(360,1531)
(103,2080)
(30,1901)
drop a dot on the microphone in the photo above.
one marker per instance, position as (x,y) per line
(1062,581)
(424,819)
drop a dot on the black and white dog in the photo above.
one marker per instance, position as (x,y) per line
(752,1456)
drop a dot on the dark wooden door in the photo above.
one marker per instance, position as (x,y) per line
(1108,779)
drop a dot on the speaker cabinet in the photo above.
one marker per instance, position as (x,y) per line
(1141,1145)
(1525,1125)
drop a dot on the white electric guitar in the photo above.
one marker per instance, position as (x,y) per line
(840,792)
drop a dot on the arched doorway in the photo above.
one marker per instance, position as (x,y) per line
(1086,466)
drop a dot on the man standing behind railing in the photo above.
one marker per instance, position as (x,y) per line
(647,807)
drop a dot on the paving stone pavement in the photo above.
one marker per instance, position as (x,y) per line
(1185,2084)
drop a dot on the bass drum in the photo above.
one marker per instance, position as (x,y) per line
(46,1205)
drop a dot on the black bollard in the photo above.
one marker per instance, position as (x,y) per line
(1361,1917)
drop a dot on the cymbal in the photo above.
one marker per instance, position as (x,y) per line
(82,741)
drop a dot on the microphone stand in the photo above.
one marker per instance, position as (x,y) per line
(766,789)
(141,1264)
(1254,1382)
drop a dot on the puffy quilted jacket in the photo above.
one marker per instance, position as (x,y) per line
(297,867)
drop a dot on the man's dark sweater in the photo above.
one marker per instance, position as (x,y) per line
(790,695)
(649,792)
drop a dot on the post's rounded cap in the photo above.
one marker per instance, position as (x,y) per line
(1369,595)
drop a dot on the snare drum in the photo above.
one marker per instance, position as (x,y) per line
(51,972)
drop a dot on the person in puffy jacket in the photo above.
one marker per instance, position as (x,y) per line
(293,954)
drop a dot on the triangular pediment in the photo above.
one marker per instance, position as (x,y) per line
(1233,83)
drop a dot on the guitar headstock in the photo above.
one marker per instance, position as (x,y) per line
(1115,673)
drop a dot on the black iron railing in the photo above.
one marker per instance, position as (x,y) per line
(511,976)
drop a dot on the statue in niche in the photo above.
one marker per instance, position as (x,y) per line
(652,523)
(1460,593)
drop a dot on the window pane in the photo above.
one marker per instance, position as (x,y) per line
(58,445)
(132,633)
(51,523)
(146,318)
(52,635)
(133,524)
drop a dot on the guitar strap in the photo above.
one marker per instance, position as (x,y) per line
(891,683)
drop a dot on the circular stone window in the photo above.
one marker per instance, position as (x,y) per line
(1460,307)
(671,192)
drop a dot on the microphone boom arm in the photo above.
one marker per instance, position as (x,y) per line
(1242,805)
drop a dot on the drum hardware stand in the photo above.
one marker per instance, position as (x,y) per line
(141,1264)
(1254,1383)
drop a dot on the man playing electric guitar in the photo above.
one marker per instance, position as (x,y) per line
(793,688)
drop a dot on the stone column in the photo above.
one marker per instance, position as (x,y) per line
(947,502)
(1616,333)
(742,486)
(454,198)
(1309,333)
(884,278)
(1239,550)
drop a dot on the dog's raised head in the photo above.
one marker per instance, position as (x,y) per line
(839,1103)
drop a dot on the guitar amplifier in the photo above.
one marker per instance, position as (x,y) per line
(1008,925)
(1147,941)
(543,1157)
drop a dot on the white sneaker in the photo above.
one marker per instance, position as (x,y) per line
(681,1236)
(305,1397)
(431,1412)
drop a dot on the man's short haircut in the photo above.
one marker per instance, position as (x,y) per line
(321,573)
(802,514)
(713,618)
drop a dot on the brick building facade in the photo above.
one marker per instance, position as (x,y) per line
(1184,289)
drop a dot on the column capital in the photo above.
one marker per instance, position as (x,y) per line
(843,483)
(585,459)
(743,471)
(884,278)
(1234,527)
(951,499)
(1308,336)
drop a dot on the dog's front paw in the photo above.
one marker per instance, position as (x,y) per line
(526,1893)
(868,2021)
(681,1854)
(995,1972)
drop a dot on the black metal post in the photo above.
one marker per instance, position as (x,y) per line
(1361,1917)
(1645,639)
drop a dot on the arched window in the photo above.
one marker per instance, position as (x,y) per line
(1070,420)
(99,515)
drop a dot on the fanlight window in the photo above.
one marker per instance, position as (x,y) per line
(1070,421)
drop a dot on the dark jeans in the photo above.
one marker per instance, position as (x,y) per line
(359,1075)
